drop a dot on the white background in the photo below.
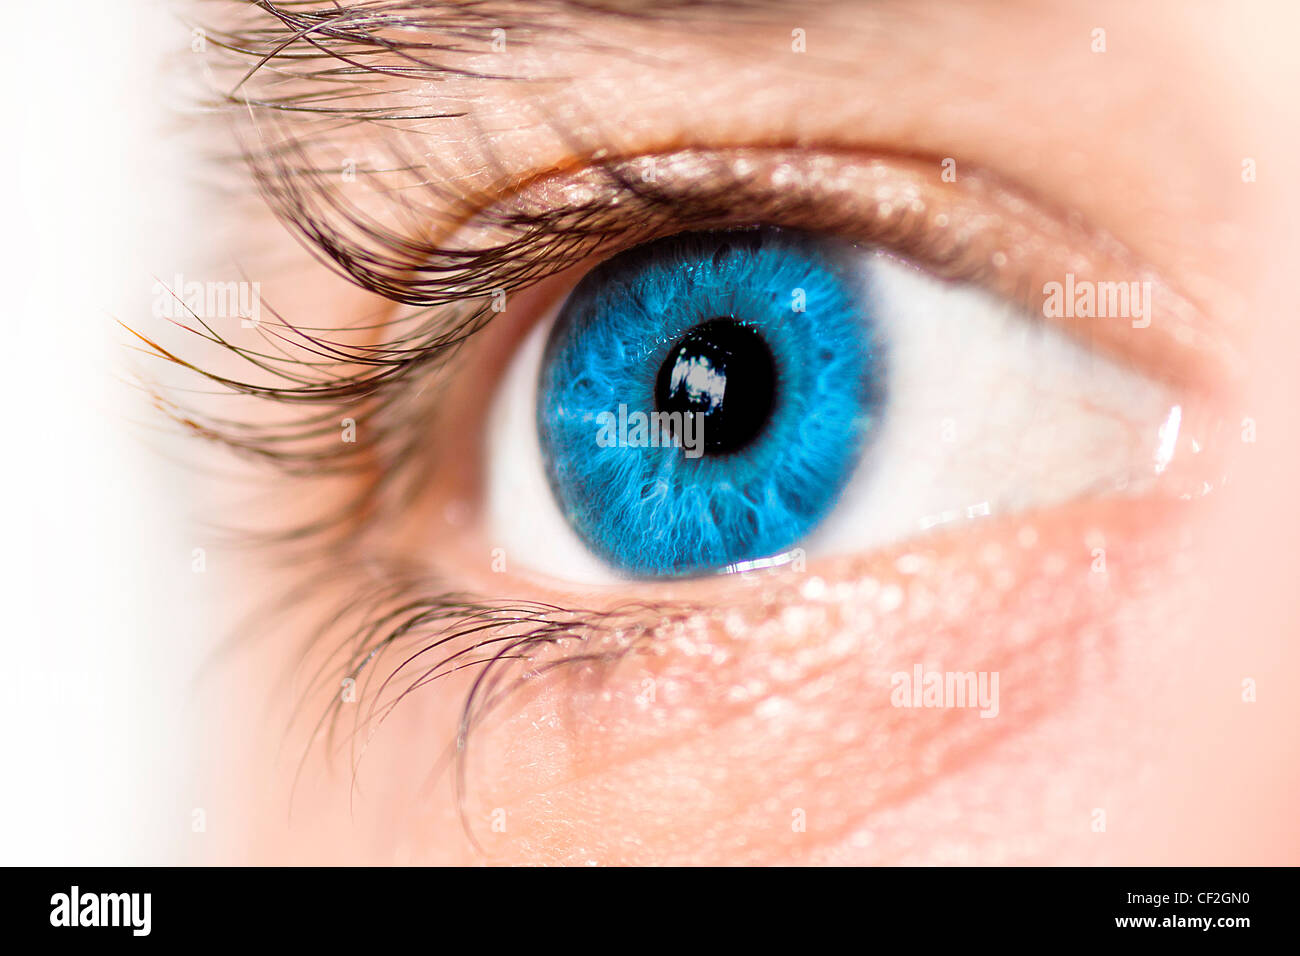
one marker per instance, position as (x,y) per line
(101,620)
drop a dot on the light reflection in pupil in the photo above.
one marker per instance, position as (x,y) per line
(705,387)
(724,371)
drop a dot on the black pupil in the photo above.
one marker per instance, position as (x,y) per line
(724,371)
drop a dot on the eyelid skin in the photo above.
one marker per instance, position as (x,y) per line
(926,103)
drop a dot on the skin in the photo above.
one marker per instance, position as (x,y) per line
(769,735)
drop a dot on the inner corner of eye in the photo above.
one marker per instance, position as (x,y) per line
(706,401)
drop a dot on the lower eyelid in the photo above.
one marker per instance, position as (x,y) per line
(791,670)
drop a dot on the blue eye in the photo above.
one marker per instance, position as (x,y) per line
(704,398)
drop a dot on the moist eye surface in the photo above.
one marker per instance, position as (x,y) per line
(704,398)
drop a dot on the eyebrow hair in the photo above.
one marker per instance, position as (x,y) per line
(422,38)
(314,84)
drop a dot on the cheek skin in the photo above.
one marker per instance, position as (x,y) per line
(716,734)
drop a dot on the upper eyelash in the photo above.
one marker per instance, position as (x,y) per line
(450,287)
(446,279)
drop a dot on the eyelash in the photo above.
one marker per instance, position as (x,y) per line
(506,641)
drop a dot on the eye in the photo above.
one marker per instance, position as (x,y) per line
(703,398)
(726,400)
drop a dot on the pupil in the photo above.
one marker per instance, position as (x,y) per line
(725,371)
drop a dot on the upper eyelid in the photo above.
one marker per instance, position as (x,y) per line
(428,259)
(978,229)
(1194,346)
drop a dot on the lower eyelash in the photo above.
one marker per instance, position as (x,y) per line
(436,633)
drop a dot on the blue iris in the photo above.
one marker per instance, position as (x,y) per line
(761,339)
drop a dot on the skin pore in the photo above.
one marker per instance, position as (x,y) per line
(748,719)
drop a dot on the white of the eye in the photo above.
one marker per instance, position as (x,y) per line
(986,411)
(523,517)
